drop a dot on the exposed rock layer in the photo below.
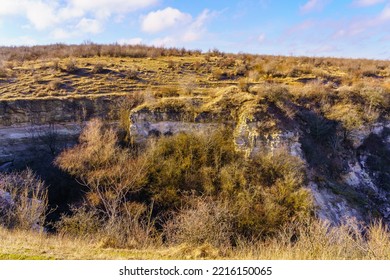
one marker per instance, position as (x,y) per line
(348,176)
(31,128)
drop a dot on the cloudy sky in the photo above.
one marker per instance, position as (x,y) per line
(341,28)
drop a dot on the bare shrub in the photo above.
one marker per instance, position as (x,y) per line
(244,85)
(132,73)
(55,84)
(28,200)
(227,62)
(273,196)
(241,70)
(134,228)
(71,66)
(3,71)
(83,223)
(97,151)
(272,93)
(202,221)
(168,91)
(98,68)
(56,64)
(218,74)
(112,175)
(188,85)
(188,163)
(107,170)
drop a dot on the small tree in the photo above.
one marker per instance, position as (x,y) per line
(110,172)
(25,200)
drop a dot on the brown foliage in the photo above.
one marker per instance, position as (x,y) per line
(109,171)
(28,200)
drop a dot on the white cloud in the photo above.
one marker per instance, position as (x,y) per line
(83,27)
(70,18)
(131,41)
(385,14)
(313,5)
(87,25)
(189,30)
(104,8)
(11,7)
(363,26)
(164,19)
(196,29)
(70,12)
(41,15)
(366,3)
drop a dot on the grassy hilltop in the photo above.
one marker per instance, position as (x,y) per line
(353,91)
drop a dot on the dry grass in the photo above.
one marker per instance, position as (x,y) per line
(93,69)
(85,76)
(317,242)
(202,83)
(322,242)
(33,245)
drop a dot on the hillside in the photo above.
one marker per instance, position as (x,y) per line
(261,143)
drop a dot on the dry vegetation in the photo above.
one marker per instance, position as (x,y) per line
(319,242)
(192,195)
(353,92)
(182,197)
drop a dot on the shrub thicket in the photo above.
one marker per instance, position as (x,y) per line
(200,188)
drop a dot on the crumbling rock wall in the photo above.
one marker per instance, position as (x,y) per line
(360,191)
(29,129)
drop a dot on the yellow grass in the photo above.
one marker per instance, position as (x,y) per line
(30,79)
(319,241)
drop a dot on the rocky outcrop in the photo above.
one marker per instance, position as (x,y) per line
(19,145)
(29,129)
(146,123)
(46,111)
(349,176)
(357,185)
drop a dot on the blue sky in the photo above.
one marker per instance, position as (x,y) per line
(340,28)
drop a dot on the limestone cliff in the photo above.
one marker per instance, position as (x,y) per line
(348,173)
(29,129)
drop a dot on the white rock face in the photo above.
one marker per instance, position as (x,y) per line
(358,177)
(247,134)
(332,208)
(250,138)
(146,129)
(22,142)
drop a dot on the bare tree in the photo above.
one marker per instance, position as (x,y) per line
(26,200)
(110,172)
